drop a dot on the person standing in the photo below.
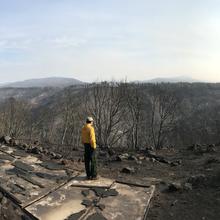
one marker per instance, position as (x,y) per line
(89,142)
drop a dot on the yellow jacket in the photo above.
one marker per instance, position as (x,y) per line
(88,135)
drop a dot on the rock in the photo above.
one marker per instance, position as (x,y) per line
(151,148)
(174,202)
(5,139)
(45,151)
(24,146)
(197,180)
(111,192)
(23,166)
(76,216)
(52,154)
(163,186)
(51,176)
(197,148)
(4,201)
(212,160)
(132,157)
(57,156)
(85,193)
(118,158)
(141,158)
(96,216)
(64,162)
(190,147)
(52,165)
(16,143)
(87,203)
(152,159)
(122,157)
(100,206)
(174,186)
(175,163)
(211,148)
(33,150)
(36,143)
(69,172)
(8,139)
(6,157)
(128,170)
(95,201)
(162,160)
(151,153)
(102,192)
(99,192)
(187,186)
(138,162)
(41,149)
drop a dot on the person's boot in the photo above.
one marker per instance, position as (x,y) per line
(94,178)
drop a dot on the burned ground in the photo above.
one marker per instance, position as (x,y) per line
(37,186)
(187,179)
(185,191)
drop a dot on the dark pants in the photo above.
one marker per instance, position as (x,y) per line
(90,161)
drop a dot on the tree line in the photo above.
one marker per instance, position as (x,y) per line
(127,115)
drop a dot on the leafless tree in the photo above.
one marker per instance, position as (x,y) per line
(164,105)
(71,126)
(14,117)
(134,101)
(104,102)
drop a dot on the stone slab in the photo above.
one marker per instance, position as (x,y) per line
(26,179)
(131,203)
(61,204)
(66,203)
(82,181)
(52,165)
(6,157)
(47,192)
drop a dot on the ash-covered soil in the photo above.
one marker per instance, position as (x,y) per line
(187,180)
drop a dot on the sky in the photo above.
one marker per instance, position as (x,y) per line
(109,39)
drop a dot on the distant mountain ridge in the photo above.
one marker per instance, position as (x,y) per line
(172,80)
(45,82)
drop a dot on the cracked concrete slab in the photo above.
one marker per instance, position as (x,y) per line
(59,205)
(23,166)
(22,172)
(76,216)
(52,166)
(81,180)
(131,202)
(45,190)
(6,157)
(66,202)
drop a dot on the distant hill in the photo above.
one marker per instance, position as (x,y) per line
(45,82)
(32,95)
(172,80)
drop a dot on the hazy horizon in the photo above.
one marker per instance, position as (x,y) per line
(183,77)
(109,40)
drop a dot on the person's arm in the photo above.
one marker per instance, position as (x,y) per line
(92,138)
